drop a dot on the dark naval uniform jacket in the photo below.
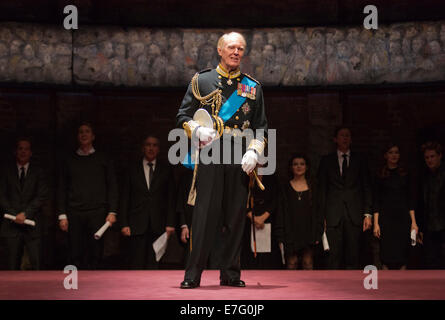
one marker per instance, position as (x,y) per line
(250,114)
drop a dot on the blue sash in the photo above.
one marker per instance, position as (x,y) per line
(228,109)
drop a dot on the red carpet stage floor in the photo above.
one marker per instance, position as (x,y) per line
(260,285)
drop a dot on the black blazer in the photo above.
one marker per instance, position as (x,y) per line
(14,200)
(422,212)
(336,192)
(141,208)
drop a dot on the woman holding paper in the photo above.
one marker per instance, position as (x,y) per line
(262,209)
(394,216)
(301,227)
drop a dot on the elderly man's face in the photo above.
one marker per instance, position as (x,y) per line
(151,148)
(232,52)
(343,139)
(23,153)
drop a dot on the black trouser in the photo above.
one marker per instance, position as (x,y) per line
(221,190)
(15,246)
(142,255)
(344,244)
(214,260)
(85,251)
(434,246)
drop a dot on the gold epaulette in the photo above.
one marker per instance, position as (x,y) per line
(252,78)
(214,98)
(195,76)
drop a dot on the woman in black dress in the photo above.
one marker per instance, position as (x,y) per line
(262,211)
(300,224)
(394,216)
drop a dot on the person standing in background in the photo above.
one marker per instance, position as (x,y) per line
(147,205)
(302,227)
(345,201)
(23,190)
(431,208)
(394,215)
(87,198)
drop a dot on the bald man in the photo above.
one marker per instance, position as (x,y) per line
(235,102)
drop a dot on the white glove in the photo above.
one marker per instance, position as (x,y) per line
(249,161)
(205,135)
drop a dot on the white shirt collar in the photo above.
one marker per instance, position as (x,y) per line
(145,161)
(340,153)
(26,166)
(80,152)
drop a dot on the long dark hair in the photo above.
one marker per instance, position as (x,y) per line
(384,170)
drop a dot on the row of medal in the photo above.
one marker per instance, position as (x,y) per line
(246,91)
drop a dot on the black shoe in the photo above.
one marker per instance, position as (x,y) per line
(233,283)
(189,284)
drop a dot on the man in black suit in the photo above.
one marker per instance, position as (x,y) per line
(22,192)
(147,205)
(345,201)
(431,207)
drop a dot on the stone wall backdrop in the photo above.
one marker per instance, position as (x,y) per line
(35,54)
(386,85)
(138,57)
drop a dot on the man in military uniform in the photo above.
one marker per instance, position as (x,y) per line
(235,103)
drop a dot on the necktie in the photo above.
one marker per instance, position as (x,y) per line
(344,164)
(150,174)
(22,177)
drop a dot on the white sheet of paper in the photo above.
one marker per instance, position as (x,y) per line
(324,239)
(262,236)
(413,237)
(160,246)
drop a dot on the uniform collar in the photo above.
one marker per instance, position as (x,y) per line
(230,75)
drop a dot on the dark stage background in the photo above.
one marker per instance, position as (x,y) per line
(376,116)
(410,114)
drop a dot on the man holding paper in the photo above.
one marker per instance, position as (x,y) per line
(23,190)
(235,103)
(147,206)
(345,201)
(87,198)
